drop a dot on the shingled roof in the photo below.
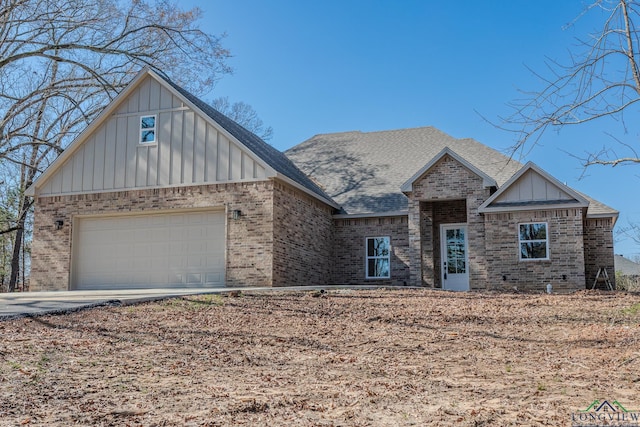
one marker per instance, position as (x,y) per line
(626,266)
(363,171)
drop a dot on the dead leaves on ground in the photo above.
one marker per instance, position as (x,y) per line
(409,357)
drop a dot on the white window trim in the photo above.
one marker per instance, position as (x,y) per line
(546,241)
(367,258)
(154,129)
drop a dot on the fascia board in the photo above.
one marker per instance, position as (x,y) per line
(533,207)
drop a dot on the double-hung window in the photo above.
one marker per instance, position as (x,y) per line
(378,259)
(147,129)
(534,241)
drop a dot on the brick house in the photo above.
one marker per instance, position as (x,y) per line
(161,190)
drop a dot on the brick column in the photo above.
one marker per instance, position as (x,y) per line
(428,246)
(415,249)
(476,241)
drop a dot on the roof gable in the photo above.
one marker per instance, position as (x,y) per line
(195,145)
(531,187)
(487,181)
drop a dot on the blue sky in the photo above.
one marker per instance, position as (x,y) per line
(310,67)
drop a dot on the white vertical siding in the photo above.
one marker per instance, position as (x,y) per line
(55,183)
(187,147)
(132,130)
(67,174)
(210,152)
(163,127)
(176,148)
(120,143)
(200,134)
(152,167)
(235,163)
(221,166)
(188,150)
(77,170)
(533,187)
(88,165)
(98,174)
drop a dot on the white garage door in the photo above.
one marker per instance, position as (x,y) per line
(181,250)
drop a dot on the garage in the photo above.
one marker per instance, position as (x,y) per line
(163,250)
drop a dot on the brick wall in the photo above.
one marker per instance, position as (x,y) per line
(565,269)
(447,180)
(349,250)
(598,249)
(249,239)
(303,238)
(50,248)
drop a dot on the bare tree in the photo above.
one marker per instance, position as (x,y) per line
(243,114)
(62,61)
(601,80)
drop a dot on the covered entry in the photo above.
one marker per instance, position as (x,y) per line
(444,244)
(454,256)
(163,250)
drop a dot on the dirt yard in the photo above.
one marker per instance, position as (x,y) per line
(342,358)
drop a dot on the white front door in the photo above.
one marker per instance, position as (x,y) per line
(455,261)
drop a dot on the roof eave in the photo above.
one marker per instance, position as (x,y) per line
(371,214)
(532,207)
(613,215)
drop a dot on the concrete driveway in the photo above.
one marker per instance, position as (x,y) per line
(21,304)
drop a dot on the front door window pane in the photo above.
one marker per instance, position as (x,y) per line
(456,251)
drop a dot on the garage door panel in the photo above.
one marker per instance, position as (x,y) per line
(153,250)
(213,278)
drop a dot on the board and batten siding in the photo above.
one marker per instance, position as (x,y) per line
(532,186)
(188,150)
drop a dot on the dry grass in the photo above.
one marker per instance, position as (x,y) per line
(348,358)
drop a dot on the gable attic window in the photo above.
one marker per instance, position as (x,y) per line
(147,129)
(534,241)
(378,257)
